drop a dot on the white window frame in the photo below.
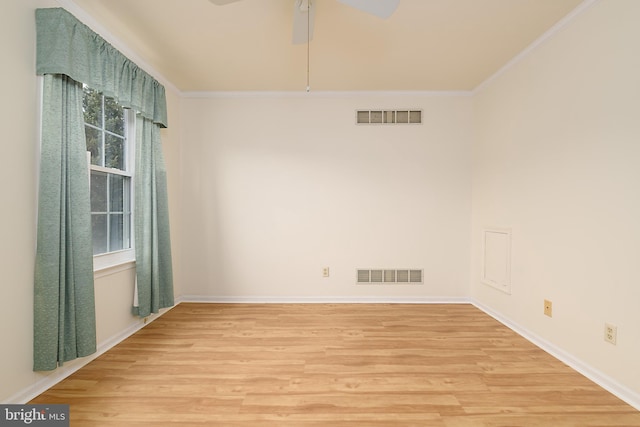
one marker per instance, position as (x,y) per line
(109,260)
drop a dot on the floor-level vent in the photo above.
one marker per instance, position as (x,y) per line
(386,275)
(388,117)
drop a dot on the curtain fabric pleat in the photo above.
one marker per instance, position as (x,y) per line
(151,222)
(68,55)
(64,308)
(67,46)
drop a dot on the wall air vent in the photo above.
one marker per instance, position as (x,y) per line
(389,276)
(388,117)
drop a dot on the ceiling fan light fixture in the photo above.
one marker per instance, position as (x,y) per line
(380,8)
(304,5)
(304,12)
(222,2)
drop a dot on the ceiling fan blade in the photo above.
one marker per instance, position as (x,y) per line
(380,8)
(222,2)
(304,12)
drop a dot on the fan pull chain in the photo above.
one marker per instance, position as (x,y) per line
(308,43)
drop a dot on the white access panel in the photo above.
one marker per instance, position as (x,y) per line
(496,263)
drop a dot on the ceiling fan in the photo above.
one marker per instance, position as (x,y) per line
(304,13)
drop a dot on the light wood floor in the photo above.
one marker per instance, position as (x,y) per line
(332,365)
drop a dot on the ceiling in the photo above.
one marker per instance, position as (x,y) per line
(426,45)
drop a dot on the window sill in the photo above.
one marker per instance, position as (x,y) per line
(107,264)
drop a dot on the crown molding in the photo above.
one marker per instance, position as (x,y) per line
(96,26)
(322,94)
(551,32)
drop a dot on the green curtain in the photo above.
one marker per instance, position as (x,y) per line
(64,311)
(68,53)
(67,46)
(154,278)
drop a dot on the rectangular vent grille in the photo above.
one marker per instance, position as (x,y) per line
(382,275)
(388,117)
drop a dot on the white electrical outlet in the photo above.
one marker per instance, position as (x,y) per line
(325,272)
(610,333)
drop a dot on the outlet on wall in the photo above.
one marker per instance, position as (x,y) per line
(325,272)
(548,308)
(610,333)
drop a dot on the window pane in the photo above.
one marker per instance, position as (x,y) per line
(99,230)
(117,232)
(98,191)
(113,116)
(92,107)
(116,191)
(126,231)
(94,144)
(110,193)
(114,152)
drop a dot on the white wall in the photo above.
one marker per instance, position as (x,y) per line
(556,158)
(18,188)
(276,188)
(266,191)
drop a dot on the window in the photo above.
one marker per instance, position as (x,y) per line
(108,127)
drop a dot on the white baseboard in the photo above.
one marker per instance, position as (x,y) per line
(63,372)
(324,300)
(604,381)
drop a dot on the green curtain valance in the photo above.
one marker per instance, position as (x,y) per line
(67,46)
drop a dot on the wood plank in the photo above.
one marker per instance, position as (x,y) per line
(332,364)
